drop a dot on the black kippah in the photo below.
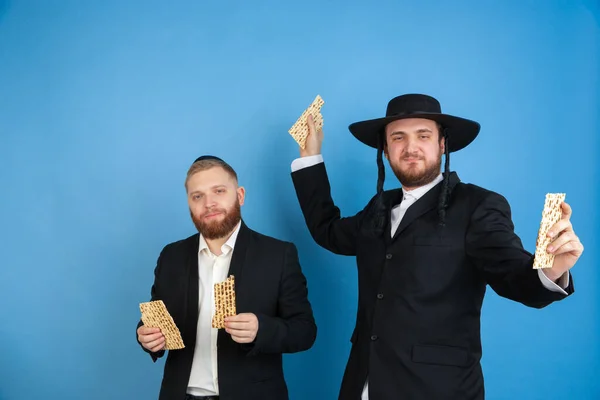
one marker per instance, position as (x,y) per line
(207,157)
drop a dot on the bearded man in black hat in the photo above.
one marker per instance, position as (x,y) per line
(243,361)
(425,254)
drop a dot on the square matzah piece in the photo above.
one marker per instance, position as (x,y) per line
(550,215)
(299,130)
(155,315)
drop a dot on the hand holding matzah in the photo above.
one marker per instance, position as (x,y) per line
(151,338)
(242,327)
(557,248)
(155,315)
(314,139)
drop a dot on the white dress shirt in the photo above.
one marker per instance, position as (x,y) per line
(398,211)
(204,380)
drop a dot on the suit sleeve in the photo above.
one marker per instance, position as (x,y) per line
(323,218)
(498,254)
(154,295)
(293,329)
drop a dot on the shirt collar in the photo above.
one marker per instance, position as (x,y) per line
(419,192)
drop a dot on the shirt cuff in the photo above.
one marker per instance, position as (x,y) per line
(305,162)
(563,282)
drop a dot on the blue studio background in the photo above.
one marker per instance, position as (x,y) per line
(104,105)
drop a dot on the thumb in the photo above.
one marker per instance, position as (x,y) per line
(310,121)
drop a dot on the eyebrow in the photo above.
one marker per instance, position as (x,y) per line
(212,187)
(420,130)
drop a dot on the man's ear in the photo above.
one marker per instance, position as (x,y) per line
(385,150)
(241,194)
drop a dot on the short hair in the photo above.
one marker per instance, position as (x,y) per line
(207,162)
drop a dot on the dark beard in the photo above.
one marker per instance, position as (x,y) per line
(412,180)
(216,230)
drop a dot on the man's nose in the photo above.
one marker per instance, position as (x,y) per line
(411,145)
(209,201)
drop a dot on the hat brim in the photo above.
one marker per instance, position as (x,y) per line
(461,131)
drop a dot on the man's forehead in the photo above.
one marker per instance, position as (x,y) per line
(212,177)
(413,123)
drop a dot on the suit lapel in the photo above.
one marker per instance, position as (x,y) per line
(191,306)
(239,253)
(426,203)
(394,198)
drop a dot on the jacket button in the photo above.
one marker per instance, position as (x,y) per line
(388,256)
(380,296)
(374,337)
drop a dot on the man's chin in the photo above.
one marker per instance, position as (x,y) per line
(413,175)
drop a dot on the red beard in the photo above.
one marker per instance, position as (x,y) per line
(409,178)
(218,229)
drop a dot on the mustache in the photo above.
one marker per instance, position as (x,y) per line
(407,156)
(212,211)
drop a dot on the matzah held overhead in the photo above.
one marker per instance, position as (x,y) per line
(299,130)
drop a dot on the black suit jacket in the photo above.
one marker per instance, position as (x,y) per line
(417,333)
(269,283)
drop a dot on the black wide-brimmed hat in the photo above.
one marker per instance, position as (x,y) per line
(461,132)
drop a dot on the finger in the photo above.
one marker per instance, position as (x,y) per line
(234,321)
(150,338)
(239,332)
(311,125)
(158,348)
(561,227)
(566,211)
(561,240)
(155,343)
(244,317)
(145,330)
(252,323)
(241,339)
(572,246)
(237,326)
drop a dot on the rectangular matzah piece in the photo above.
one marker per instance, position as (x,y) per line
(155,315)
(299,130)
(550,215)
(224,302)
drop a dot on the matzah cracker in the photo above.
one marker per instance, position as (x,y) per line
(299,130)
(224,302)
(550,215)
(155,315)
